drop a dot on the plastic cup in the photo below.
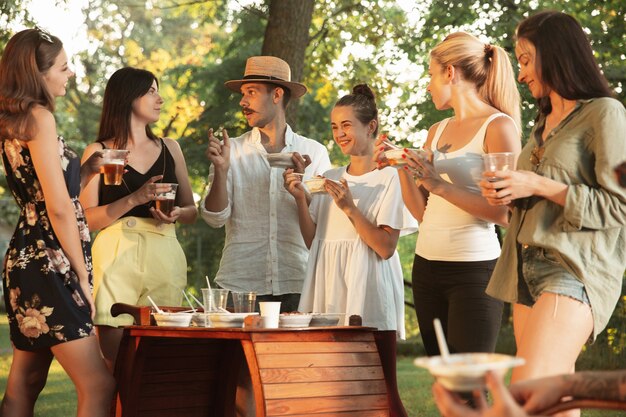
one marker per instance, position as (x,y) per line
(113,165)
(165,199)
(219,298)
(270,312)
(244,302)
(498,161)
(207,300)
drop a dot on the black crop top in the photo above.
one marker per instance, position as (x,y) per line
(133,180)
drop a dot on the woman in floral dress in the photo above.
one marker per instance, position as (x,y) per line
(47,268)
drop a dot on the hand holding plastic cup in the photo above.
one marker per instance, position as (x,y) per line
(113,165)
(165,200)
(244,302)
(498,161)
(270,312)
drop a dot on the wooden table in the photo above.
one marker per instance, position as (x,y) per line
(317,371)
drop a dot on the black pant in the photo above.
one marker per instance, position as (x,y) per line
(454,292)
(288,302)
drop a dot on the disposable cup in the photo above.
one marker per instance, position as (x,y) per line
(113,165)
(499,161)
(165,200)
(214,299)
(244,302)
(270,313)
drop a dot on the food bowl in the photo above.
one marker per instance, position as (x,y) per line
(228,319)
(200,319)
(291,320)
(172,319)
(316,184)
(466,371)
(394,156)
(327,319)
(281,160)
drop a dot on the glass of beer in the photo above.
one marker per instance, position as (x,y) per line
(165,199)
(113,168)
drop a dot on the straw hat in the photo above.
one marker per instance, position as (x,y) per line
(267,69)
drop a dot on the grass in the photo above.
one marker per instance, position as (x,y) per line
(58,399)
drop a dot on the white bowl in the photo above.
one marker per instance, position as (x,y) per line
(316,184)
(200,319)
(394,156)
(281,160)
(228,319)
(466,371)
(327,319)
(294,320)
(172,319)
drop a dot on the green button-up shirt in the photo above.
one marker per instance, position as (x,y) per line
(588,234)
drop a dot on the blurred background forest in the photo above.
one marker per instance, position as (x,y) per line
(193,46)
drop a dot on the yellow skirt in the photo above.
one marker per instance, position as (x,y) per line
(134,258)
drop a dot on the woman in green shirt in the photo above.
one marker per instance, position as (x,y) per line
(564,253)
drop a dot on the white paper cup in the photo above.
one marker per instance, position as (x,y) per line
(270,313)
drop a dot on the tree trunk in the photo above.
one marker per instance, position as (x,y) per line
(287,37)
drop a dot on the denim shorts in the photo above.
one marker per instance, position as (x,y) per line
(539,271)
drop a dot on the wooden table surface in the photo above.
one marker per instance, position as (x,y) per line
(308,372)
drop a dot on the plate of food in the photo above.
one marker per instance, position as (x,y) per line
(281,160)
(466,371)
(327,319)
(295,319)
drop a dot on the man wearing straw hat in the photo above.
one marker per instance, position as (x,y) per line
(264,251)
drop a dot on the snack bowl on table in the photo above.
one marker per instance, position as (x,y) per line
(228,319)
(295,319)
(466,371)
(179,319)
(281,160)
(200,319)
(327,319)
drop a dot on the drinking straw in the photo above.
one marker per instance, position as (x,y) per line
(196,300)
(441,341)
(188,301)
(208,283)
(155,306)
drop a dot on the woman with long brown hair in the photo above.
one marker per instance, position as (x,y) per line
(564,254)
(47,268)
(136,253)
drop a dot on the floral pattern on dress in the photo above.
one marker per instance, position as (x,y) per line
(45,302)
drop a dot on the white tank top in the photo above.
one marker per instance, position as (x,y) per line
(448,233)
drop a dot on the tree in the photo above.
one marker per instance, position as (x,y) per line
(287,37)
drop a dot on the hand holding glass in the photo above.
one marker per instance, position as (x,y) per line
(165,200)
(113,165)
(498,161)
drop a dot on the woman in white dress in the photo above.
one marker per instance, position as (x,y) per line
(352,231)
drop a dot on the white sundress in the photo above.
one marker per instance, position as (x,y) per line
(343,273)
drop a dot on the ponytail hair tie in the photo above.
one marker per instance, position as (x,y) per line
(488,51)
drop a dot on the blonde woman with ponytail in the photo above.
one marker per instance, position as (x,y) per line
(457,246)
